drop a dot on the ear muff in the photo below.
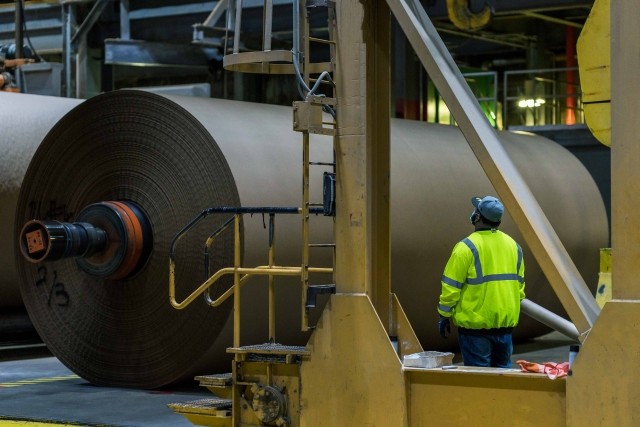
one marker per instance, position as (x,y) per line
(474,217)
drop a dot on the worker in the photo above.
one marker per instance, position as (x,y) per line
(482,286)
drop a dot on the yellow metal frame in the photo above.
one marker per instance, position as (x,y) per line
(484,397)
(603,387)
(199,417)
(240,276)
(281,376)
(594,51)
(354,372)
(604,291)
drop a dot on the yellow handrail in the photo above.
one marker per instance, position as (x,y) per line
(241,275)
(263,270)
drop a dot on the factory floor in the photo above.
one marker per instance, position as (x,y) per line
(37,390)
(43,389)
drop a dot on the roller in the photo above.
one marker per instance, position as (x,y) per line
(25,122)
(155,162)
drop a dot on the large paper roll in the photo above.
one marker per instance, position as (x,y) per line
(174,157)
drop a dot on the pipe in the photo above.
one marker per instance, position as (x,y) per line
(462,17)
(54,240)
(549,318)
(31,117)
(19,26)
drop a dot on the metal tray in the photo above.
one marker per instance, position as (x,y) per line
(428,359)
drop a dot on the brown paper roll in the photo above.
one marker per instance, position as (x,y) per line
(174,157)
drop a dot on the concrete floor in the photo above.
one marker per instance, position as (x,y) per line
(43,389)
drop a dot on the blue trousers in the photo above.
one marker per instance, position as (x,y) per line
(486,350)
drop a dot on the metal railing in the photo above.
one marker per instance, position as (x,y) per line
(240,274)
(544,97)
(484,86)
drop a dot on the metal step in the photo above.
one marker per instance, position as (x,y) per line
(202,405)
(210,412)
(215,380)
(218,384)
(270,352)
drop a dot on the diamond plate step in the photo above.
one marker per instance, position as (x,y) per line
(214,406)
(215,380)
(271,352)
(218,384)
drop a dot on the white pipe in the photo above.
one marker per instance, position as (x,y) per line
(549,318)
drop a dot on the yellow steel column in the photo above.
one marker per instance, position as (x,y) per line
(350,148)
(625,174)
(604,384)
(362,151)
(377,34)
(353,375)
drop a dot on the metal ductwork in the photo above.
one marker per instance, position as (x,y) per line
(462,17)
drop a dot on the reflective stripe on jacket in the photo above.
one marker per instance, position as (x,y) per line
(483,282)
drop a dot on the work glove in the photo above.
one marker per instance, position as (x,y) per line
(444,326)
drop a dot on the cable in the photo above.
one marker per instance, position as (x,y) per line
(302,85)
(26,32)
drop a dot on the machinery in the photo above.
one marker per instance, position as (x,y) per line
(13,56)
(113,155)
(8,66)
(6,77)
(350,366)
(350,370)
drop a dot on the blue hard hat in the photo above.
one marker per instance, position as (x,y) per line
(489,207)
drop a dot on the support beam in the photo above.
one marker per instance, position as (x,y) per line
(378,35)
(350,148)
(625,187)
(19,26)
(125,20)
(90,20)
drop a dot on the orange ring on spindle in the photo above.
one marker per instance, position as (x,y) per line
(134,239)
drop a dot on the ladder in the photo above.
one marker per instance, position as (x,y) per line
(308,119)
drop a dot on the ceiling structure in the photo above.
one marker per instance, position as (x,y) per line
(530,32)
(516,28)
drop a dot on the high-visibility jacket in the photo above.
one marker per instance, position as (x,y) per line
(483,282)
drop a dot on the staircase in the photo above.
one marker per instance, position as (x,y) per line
(213,411)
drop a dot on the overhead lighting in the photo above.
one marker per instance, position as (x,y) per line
(530,102)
